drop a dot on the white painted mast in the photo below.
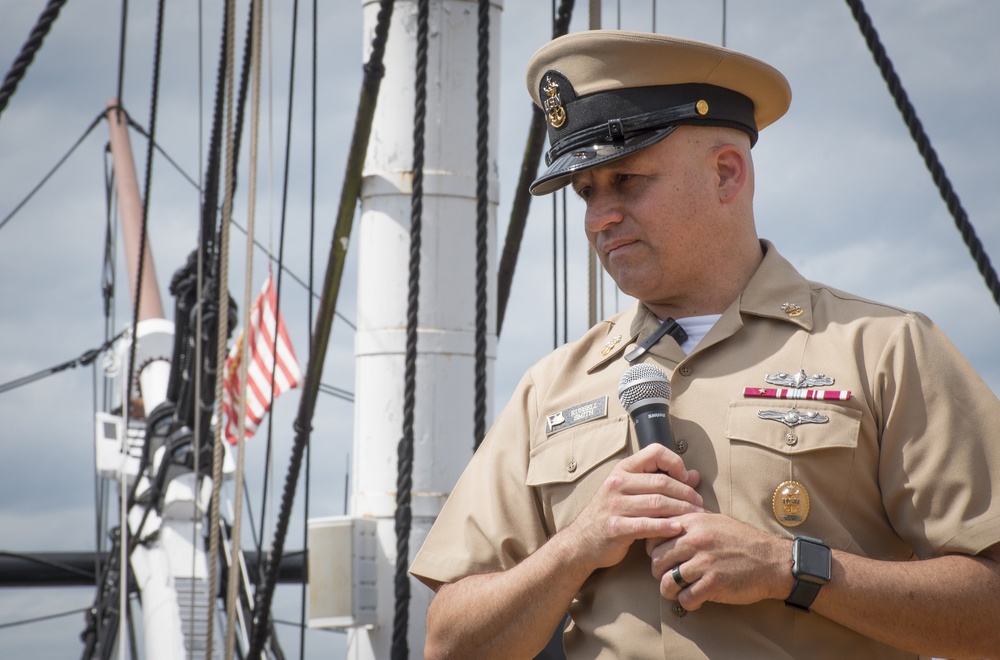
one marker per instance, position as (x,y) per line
(444,413)
(170,565)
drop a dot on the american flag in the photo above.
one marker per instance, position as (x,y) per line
(267,337)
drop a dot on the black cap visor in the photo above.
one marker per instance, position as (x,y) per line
(562,169)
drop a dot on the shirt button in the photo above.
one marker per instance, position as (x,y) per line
(791,439)
(678,610)
(571,466)
(686,370)
(682,446)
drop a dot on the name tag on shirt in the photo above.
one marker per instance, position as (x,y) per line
(578,414)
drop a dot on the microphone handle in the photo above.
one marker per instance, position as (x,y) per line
(652,425)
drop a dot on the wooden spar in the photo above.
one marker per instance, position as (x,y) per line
(130,206)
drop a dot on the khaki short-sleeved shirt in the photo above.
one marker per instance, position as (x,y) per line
(905,468)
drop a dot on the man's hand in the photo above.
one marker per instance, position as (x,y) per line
(722,560)
(507,615)
(638,500)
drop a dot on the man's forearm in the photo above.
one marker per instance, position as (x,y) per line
(510,614)
(947,606)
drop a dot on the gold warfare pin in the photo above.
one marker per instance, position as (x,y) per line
(791,309)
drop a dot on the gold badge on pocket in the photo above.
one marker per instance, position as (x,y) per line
(790,503)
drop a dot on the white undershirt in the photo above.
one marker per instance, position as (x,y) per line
(696,328)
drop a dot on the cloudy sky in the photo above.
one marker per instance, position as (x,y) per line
(841,190)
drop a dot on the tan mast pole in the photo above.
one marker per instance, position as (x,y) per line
(130,206)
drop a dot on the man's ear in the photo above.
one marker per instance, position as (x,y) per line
(733,170)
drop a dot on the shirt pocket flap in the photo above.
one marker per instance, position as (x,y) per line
(819,425)
(571,454)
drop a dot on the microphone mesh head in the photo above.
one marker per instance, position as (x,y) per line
(642,382)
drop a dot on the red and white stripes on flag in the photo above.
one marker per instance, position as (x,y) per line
(268,337)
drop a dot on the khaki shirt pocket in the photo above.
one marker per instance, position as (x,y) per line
(818,456)
(567,468)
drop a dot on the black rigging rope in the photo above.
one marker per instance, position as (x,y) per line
(145,212)
(99,631)
(309,312)
(337,392)
(529,169)
(482,170)
(28,51)
(923,143)
(101,486)
(84,359)
(47,617)
(283,268)
(55,168)
(144,133)
(140,270)
(141,130)
(281,252)
(370,84)
(121,50)
(404,450)
(208,312)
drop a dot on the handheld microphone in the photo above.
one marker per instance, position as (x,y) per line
(644,391)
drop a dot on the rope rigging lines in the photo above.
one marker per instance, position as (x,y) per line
(87,357)
(404,450)
(222,332)
(232,594)
(28,51)
(923,144)
(482,217)
(328,303)
(533,149)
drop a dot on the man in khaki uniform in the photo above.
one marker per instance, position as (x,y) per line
(805,420)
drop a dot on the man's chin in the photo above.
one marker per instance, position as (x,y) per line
(632,284)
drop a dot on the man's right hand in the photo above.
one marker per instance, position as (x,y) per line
(505,614)
(638,500)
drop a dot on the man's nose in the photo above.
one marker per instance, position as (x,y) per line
(603,210)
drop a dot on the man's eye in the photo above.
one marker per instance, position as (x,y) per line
(622,178)
(583,193)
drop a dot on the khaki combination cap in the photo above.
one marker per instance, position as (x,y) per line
(609,93)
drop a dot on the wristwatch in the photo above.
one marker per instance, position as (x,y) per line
(811,570)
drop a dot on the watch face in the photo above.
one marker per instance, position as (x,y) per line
(811,561)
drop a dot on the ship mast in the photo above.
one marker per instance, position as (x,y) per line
(443,420)
(130,207)
(169,564)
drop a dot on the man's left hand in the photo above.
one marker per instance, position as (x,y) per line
(721,560)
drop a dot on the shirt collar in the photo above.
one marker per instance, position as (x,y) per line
(776,290)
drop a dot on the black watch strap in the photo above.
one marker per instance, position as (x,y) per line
(803,594)
(811,569)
